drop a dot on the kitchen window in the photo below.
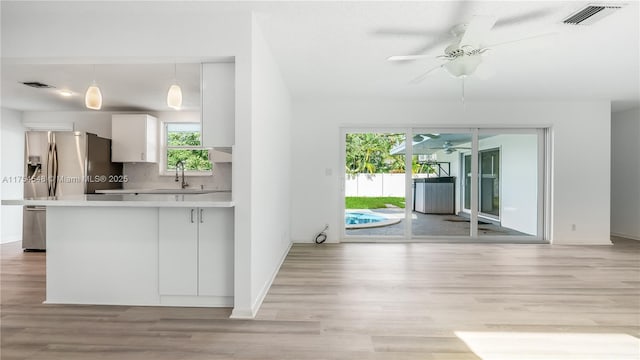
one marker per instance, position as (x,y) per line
(183,142)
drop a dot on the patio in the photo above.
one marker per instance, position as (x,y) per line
(429,225)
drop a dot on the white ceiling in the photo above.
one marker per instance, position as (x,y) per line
(124,87)
(339,50)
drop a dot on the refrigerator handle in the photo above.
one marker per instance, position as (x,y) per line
(49,165)
(55,170)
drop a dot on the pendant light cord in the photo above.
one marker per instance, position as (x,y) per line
(463,104)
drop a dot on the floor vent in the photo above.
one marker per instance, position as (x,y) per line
(37,85)
(591,14)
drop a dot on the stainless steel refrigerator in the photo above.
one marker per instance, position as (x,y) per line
(62,163)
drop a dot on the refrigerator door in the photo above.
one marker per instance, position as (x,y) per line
(35,186)
(35,170)
(34,228)
(70,162)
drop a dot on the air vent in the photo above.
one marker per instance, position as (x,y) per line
(37,85)
(590,14)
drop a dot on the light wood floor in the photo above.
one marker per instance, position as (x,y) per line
(361,301)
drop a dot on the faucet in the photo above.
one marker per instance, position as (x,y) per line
(183,184)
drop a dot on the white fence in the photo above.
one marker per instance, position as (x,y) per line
(374,185)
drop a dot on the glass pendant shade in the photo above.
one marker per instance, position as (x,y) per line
(93,97)
(463,66)
(174,97)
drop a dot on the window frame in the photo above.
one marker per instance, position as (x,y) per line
(164,148)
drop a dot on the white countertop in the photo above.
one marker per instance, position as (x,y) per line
(164,191)
(218,199)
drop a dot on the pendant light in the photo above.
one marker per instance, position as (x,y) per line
(93,96)
(174,95)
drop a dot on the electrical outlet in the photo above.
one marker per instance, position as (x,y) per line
(573,227)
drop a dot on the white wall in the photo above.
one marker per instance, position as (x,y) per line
(12,165)
(96,122)
(625,174)
(270,168)
(578,197)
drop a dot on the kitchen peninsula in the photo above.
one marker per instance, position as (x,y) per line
(146,249)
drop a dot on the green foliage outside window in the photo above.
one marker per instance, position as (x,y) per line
(370,153)
(194,159)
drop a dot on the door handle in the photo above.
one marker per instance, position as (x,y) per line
(192,211)
(201,216)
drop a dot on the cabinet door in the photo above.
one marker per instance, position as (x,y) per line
(151,138)
(178,251)
(215,256)
(128,132)
(218,104)
(134,138)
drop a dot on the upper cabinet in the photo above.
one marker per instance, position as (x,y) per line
(218,104)
(134,138)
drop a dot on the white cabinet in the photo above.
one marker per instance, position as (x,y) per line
(218,104)
(134,138)
(196,251)
(215,252)
(178,251)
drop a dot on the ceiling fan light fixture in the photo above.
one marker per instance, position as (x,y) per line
(463,66)
(93,97)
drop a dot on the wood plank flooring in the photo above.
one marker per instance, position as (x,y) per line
(361,301)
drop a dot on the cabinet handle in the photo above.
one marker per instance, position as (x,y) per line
(192,210)
(201,216)
(141,156)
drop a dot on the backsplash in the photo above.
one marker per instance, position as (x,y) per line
(145,176)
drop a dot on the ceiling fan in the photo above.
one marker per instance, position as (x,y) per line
(448,147)
(464,54)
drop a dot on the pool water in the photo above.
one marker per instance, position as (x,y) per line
(353,218)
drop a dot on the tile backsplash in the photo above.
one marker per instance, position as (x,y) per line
(145,176)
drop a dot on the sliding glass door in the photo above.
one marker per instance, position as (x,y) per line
(436,183)
(510,182)
(458,184)
(374,185)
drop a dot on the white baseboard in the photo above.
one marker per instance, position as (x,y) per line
(196,301)
(243,314)
(308,241)
(10,239)
(267,285)
(626,236)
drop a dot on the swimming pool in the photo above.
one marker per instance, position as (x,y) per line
(354,218)
(361,219)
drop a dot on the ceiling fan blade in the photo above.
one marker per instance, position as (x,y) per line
(477,30)
(423,76)
(440,40)
(523,39)
(409,57)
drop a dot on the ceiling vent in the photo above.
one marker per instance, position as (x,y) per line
(591,14)
(37,85)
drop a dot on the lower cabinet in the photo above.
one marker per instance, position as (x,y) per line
(196,251)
